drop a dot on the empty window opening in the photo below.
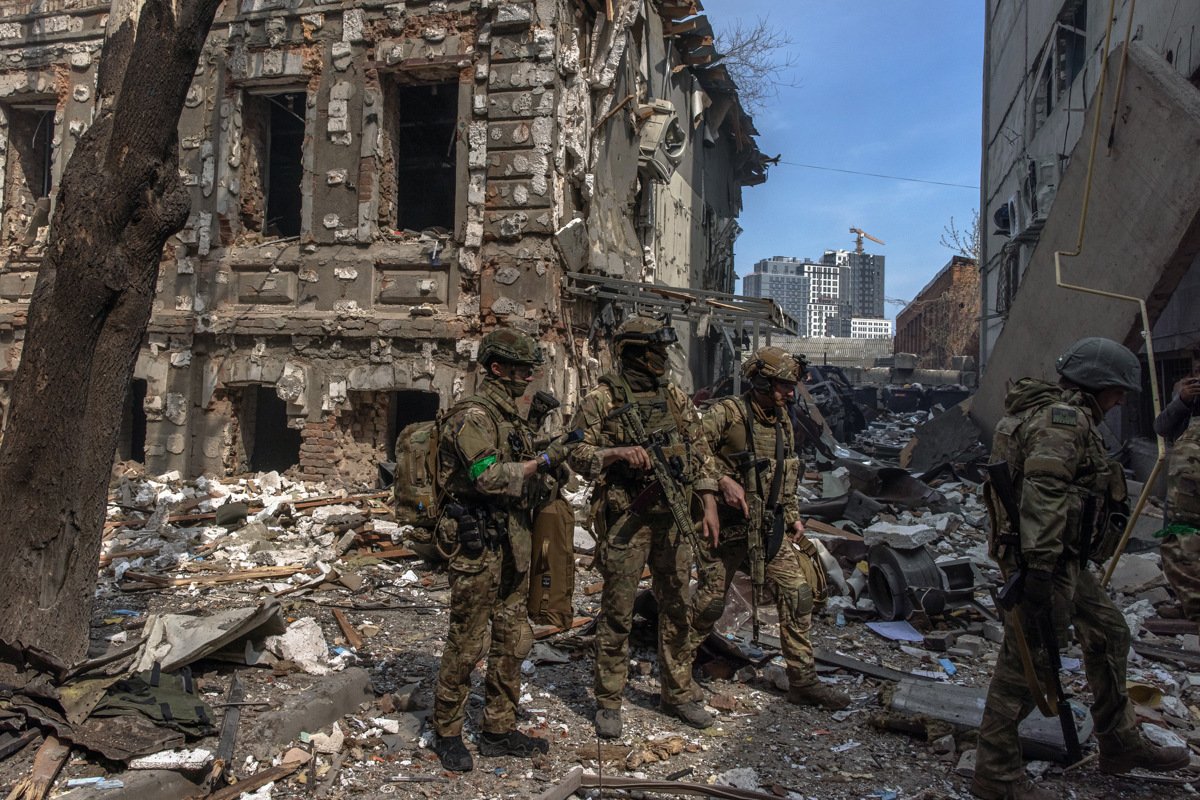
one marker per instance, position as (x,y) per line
(426,152)
(407,407)
(270,443)
(29,175)
(273,141)
(132,444)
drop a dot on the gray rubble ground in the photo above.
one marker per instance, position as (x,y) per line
(379,742)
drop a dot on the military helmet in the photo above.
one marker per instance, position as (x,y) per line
(1096,363)
(643,330)
(511,345)
(773,363)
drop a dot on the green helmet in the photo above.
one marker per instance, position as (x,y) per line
(642,330)
(774,363)
(511,345)
(1096,363)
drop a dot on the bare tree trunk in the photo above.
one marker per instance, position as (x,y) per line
(121,198)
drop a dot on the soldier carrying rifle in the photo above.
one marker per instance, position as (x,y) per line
(1050,507)
(643,444)
(761,532)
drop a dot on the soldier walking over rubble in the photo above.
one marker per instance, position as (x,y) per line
(1062,481)
(643,444)
(754,449)
(487,467)
(1180,421)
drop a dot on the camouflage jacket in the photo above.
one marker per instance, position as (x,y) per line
(483,443)
(1060,470)
(667,409)
(1183,477)
(725,426)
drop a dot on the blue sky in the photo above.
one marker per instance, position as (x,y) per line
(884,86)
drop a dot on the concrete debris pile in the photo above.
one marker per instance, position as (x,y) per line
(303,639)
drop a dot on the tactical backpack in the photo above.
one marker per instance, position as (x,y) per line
(418,497)
(415,489)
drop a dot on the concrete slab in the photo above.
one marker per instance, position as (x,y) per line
(1143,230)
(329,699)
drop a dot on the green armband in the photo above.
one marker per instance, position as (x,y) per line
(481,466)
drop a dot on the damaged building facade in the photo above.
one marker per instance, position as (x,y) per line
(375,185)
(1044,60)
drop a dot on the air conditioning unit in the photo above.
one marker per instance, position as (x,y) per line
(1007,217)
(662,139)
(1039,189)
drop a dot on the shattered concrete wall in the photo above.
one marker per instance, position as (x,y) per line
(1042,67)
(315,284)
(1143,232)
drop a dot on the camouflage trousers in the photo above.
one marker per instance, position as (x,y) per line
(483,590)
(1104,638)
(1181,566)
(622,556)
(793,600)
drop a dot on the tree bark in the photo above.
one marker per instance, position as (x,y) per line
(121,198)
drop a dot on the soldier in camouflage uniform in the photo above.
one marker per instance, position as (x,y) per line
(1180,421)
(756,426)
(1062,476)
(632,521)
(488,469)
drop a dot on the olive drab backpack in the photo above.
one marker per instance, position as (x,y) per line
(415,490)
(417,494)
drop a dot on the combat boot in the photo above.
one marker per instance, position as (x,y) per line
(608,723)
(690,712)
(1022,789)
(818,694)
(453,753)
(1119,755)
(513,743)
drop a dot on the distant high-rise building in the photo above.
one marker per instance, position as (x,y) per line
(824,296)
(862,283)
(808,290)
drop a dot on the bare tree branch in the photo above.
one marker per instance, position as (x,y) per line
(963,241)
(759,58)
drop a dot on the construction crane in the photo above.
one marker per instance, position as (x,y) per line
(860,234)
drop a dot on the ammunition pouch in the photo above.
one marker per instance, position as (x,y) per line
(465,528)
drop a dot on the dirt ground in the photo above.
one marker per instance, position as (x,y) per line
(769,744)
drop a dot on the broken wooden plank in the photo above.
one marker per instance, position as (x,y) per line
(353,637)
(259,573)
(12,742)
(108,558)
(817,526)
(260,778)
(1189,659)
(543,631)
(569,785)
(388,552)
(1171,627)
(47,762)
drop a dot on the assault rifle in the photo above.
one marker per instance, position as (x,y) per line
(1009,597)
(668,472)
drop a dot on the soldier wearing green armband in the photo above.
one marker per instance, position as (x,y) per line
(490,472)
